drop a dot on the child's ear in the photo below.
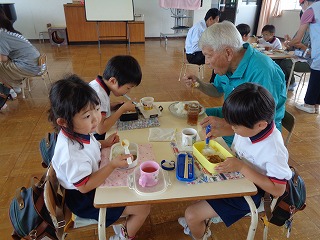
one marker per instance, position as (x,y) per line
(62,122)
(113,80)
(262,124)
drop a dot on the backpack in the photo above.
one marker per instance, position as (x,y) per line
(47,145)
(29,215)
(293,200)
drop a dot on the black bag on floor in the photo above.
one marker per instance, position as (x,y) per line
(4,94)
(29,215)
(293,200)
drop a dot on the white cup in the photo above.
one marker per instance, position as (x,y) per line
(189,136)
(147,103)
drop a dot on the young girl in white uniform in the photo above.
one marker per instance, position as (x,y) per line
(75,114)
(260,156)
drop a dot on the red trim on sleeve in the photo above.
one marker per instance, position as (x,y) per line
(279,181)
(82,182)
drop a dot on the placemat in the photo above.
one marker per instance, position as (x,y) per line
(140,123)
(119,176)
(203,176)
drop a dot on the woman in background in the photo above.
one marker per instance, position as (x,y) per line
(18,57)
(310,19)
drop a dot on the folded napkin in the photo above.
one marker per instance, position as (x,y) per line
(161,134)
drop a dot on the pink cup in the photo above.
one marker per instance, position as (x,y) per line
(149,172)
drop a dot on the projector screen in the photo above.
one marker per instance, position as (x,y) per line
(109,10)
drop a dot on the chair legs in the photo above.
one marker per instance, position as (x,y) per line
(303,79)
(26,83)
(184,67)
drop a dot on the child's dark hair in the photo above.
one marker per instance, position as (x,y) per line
(125,69)
(244,29)
(248,104)
(69,96)
(212,12)
(269,28)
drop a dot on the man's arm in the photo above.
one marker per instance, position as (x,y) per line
(209,89)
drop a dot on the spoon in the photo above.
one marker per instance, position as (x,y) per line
(207,150)
(125,144)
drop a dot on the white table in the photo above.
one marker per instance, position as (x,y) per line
(177,191)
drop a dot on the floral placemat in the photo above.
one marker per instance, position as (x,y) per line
(203,176)
(119,176)
(140,123)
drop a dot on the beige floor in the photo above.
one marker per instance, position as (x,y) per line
(24,123)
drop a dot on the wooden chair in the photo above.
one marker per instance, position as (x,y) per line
(186,64)
(60,214)
(288,123)
(42,63)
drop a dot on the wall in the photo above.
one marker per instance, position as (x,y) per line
(33,16)
(288,23)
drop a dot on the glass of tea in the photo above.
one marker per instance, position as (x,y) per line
(193,114)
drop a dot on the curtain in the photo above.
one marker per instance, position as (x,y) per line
(277,9)
(265,13)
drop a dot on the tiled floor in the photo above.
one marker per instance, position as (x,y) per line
(24,123)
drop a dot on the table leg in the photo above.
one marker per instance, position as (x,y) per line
(102,224)
(254,218)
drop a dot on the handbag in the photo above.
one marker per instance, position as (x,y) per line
(29,215)
(292,201)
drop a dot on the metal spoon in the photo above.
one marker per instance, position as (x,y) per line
(125,144)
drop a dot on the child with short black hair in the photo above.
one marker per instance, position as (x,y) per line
(268,38)
(260,156)
(75,114)
(122,73)
(244,30)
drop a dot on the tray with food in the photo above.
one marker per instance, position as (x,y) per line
(209,162)
(118,149)
(180,109)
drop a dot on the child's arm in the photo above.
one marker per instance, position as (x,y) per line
(107,123)
(235,165)
(98,177)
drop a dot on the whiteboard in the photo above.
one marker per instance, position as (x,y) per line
(109,10)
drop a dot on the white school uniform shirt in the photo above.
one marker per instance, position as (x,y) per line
(275,44)
(72,164)
(102,90)
(267,155)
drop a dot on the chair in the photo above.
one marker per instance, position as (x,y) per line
(301,75)
(288,123)
(42,63)
(61,216)
(185,65)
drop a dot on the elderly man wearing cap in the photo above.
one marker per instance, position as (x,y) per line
(310,19)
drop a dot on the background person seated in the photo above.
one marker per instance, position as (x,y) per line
(268,39)
(18,57)
(193,52)
(244,30)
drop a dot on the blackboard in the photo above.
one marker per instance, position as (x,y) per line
(109,10)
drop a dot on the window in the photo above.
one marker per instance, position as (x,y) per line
(290,5)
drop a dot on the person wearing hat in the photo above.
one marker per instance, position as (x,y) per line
(310,19)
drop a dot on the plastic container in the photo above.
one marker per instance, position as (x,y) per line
(182,173)
(117,149)
(160,187)
(197,149)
